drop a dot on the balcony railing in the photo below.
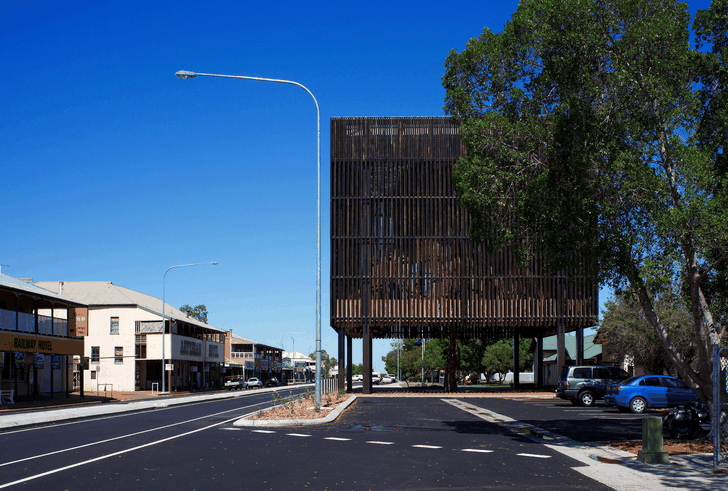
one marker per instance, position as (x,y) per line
(241,355)
(26,323)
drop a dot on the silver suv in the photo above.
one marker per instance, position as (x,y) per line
(585,384)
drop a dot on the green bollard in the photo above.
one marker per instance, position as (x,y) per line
(652,450)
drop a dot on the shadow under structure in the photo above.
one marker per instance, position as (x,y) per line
(402,265)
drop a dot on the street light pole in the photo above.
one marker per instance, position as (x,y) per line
(293,354)
(184,74)
(164,288)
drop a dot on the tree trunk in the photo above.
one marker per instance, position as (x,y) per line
(453,362)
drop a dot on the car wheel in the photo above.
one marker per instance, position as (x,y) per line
(586,398)
(637,405)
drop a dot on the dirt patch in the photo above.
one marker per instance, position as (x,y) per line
(302,408)
(672,447)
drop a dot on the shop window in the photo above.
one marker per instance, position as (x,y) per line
(118,355)
(114,325)
(95,354)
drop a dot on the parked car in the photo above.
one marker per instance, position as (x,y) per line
(386,379)
(357,378)
(636,394)
(583,385)
(234,383)
(253,383)
(272,382)
(376,377)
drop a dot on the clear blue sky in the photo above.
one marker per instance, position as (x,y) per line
(114,169)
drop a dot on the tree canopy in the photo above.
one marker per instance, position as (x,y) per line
(595,135)
(199,312)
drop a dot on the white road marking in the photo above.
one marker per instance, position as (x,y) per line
(534,455)
(337,439)
(425,446)
(297,434)
(380,443)
(114,454)
(478,450)
(120,437)
(262,431)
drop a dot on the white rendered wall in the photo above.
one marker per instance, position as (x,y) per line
(122,376)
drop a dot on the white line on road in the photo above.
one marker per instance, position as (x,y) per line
(114,454)
(477,450)
(534,455)
(374,442)
(297,434)
(123,436)
(337,439)
(425,446)
(262,431)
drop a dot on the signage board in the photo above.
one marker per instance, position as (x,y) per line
(39,360)
(78,321)
(40,344)
(169,367)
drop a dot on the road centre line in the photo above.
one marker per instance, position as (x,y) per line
(261,431)
(426,446)
(336,439)
(297,434)
(478,450)
(126,436)
(374,442)
(114,454)
(534,455)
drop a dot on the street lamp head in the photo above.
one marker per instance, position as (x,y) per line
(183,74)
(215,264)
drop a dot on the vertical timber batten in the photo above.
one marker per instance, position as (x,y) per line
(402,265)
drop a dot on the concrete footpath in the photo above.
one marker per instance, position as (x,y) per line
(612,467)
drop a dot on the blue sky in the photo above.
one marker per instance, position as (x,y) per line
(115,170)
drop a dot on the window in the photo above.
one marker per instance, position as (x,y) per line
(651,382)
(95,354)
(93,374)
(114,325)
(582,373)
(118,355)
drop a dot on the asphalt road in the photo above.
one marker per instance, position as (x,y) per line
(379,443)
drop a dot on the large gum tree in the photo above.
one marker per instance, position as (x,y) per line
(595,134)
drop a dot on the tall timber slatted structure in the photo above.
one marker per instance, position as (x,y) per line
(402,265)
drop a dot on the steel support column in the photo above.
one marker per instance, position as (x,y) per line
(516,360)
(342,355)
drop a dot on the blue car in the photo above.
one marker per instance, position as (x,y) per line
(649,391)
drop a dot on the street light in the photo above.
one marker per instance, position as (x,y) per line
(164,287)
(184,74)
(293,353)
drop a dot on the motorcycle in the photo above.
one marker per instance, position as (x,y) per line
(685,421)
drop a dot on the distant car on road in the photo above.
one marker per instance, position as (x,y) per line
(636,394)
(357,378)
(272,382)
(235,383)
(376,377)
(254,383)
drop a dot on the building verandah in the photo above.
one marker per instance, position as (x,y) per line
(38,339)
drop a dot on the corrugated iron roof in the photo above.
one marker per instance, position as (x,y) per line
(97,293)
(25,286)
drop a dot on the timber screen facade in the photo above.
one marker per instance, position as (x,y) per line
(402,265)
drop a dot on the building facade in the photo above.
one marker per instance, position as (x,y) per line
(38,339)
(126,342)
(402,264)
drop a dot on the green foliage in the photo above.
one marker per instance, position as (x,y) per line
(357,369)
(596,138)
(199,312)
(411,358)
(498,357)
(625,333)
(327,362)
